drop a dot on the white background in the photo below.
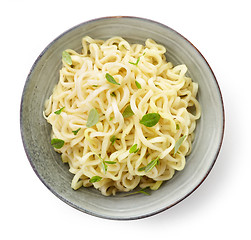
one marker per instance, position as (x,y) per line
(219,209)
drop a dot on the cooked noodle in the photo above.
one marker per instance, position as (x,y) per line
(148,84)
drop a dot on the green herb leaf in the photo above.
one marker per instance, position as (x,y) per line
(67,57)
(151,165)
(110,79)
(92,118)
(138,85)
(95,179)
(57,143)
(59,111)
(133,149)
(177,126)
(110,162)
(178,143)
(128,112)
(141,169)
(140,191)
(95,85)
(110,118)
(136,63)
(113,139)
(150,119)
(104,166)
(124,47)
(113,94)
(76,131)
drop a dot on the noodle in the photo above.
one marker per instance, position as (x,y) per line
(119,152)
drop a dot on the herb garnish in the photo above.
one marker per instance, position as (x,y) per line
(136,63)
(150,165)
(59,111)
(128,112)
(177,126)
(150,119)
(92,118)
(138,84)
(140,191)
(110,79)
(57,143)
(67,57)
(134,148)
(76,131)
(113,94)
(95,179)
(104,166)
(110,162)
(113,139)
(178,143)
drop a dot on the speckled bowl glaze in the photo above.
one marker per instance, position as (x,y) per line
(55,175)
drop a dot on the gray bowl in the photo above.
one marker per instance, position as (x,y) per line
(47,163)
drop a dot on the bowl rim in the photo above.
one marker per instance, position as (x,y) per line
(71,203)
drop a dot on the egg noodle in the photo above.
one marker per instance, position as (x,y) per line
(121,115)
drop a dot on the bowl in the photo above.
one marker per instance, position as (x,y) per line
(36,132)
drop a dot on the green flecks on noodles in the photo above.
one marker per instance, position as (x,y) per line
(150,119)
(93,118)
(67,57)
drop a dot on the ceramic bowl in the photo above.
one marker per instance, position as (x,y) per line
(36,132)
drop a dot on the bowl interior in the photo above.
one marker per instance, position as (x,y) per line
(47,163)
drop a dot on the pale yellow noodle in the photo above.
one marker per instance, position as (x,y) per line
(82,86)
